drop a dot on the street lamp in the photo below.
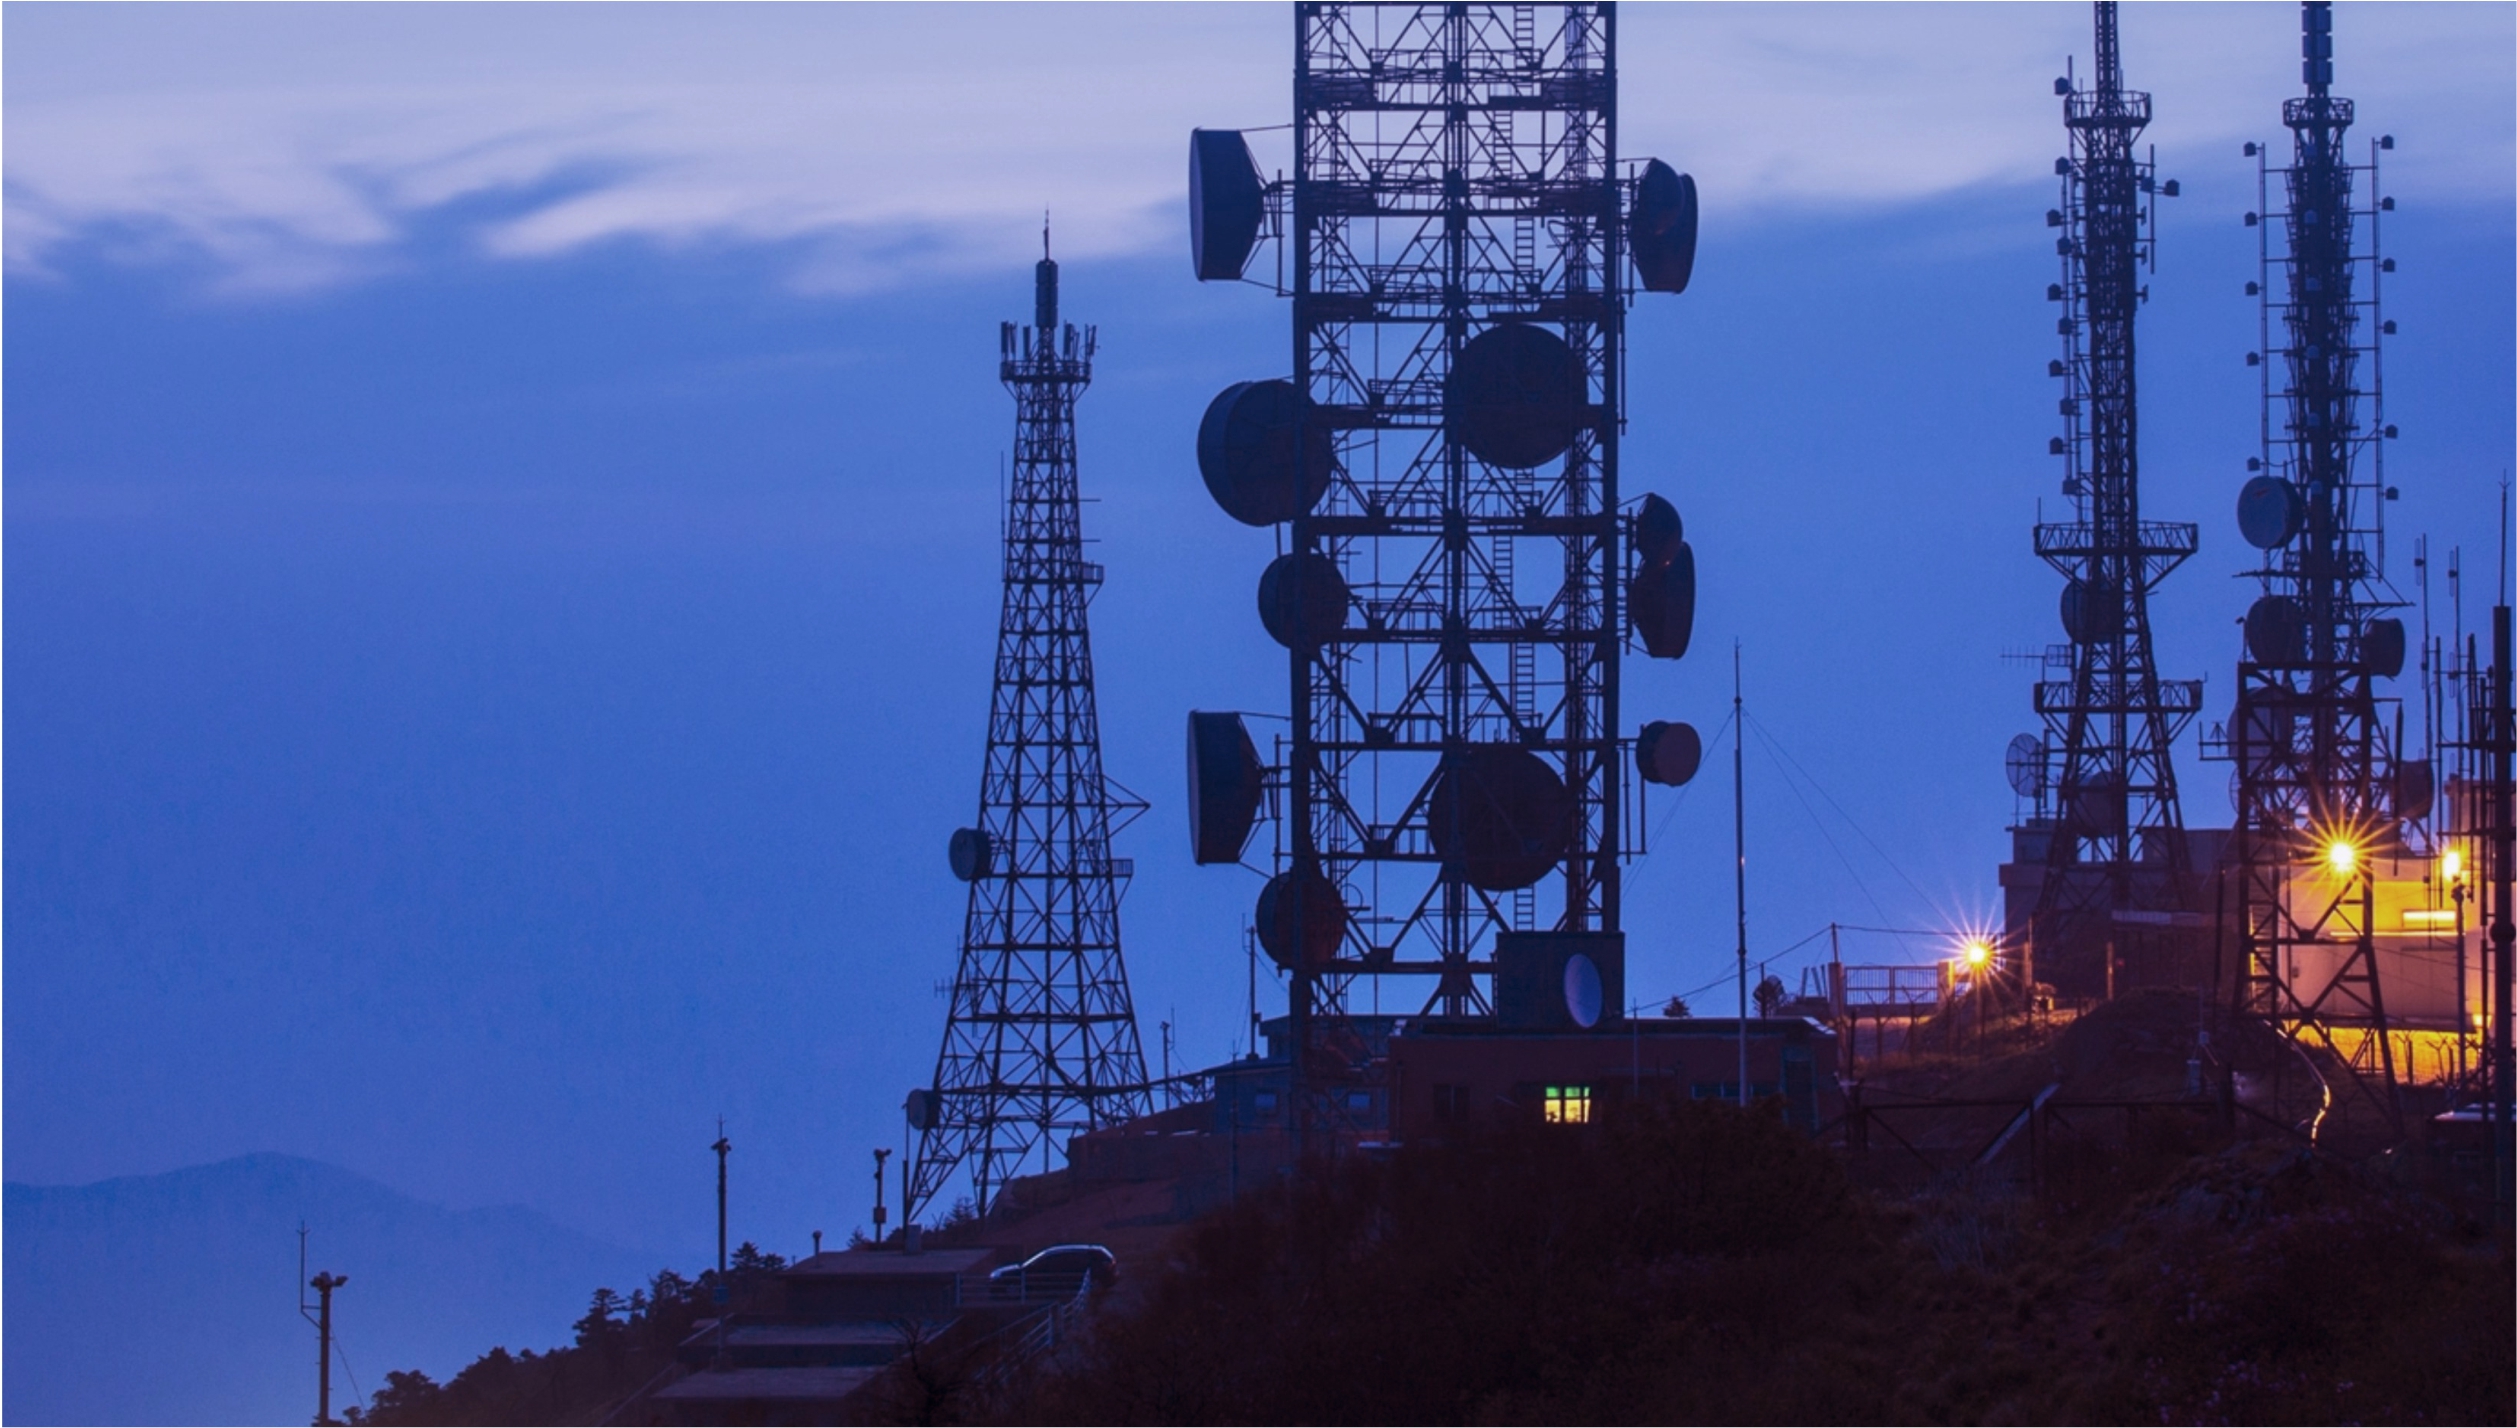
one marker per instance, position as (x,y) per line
(2341,857)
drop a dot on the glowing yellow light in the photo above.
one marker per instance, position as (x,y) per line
(2341,857)
(2452,864)
(1978,952)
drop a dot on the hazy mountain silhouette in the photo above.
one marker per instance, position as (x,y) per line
(170,1298)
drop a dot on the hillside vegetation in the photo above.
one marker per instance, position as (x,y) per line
(1701,1264)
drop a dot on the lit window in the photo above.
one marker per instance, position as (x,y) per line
(1568,1105)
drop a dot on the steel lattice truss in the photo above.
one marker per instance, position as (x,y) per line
(2311,737)
(1456,167)
(2109,786)
(1042,1039)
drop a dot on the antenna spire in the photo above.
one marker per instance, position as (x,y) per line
(1044,286)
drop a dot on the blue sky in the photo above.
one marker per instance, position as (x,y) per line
(500,568)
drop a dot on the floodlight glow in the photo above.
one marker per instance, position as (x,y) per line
(2341,857)
(1978,952)
(2451,865)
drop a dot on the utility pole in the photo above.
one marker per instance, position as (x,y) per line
(881,1154)
(724,1295)
(722,1148)
(324,1284)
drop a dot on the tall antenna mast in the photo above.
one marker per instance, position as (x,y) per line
(2106,825)
(1455,563)
(1041,1043)
(2323,791)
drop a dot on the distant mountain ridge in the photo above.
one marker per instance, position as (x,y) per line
(171,1298)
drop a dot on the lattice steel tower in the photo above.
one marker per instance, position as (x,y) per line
(2105,782)
(1441,468)
(2314,742)
(1042,1037)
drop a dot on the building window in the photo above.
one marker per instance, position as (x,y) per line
(1265,1102)
(1358,1103)
(1568,1105)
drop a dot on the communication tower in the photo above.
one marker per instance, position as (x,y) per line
(1455,577)
(2324,795)
(1041,1042)
(2101,778)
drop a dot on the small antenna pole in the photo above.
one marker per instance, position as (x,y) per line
(724,1292)
(881,1154)
(722,1148)
(2503,929)
(1739,842)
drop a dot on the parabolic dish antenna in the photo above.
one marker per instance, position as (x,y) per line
(1263,452)
(1226,202)
(2276,631)
(1302,600)
(1661,229)
(1582,991)
(2025,763)
(2269,512)
(2381,647)
(1517,395)
(2415,787)
(1657,530)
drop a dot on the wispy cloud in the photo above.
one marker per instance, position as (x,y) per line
(283,147)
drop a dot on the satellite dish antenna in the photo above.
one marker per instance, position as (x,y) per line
(925,1109)
(1660,601)
(1226,202)
(1668,752)
(2269,512)
(2415,786)
(1517,396)
(2276,631)
(973,854)
(1501,816)
(1583,993)
(1302,600)
(2091,616)
(1301,919)
(1225,783)
(2381,648)
(1661,228)
(1265,455)
(2025,763)
(1657,530)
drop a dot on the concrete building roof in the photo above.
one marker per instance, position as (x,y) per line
(893,1264)
(775,1385)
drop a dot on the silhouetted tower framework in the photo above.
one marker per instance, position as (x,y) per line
(2105,781)
(2314,742)
(1453,576)
(1041,1043)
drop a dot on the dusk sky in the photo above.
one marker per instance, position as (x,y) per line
(500,526)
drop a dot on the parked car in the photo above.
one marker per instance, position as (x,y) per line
(1058,1272)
